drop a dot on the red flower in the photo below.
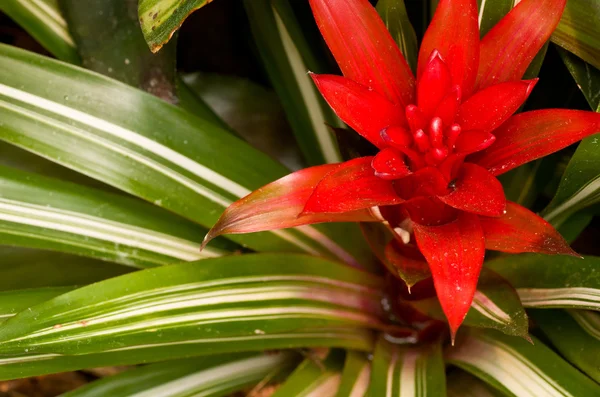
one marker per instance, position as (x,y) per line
(443,139)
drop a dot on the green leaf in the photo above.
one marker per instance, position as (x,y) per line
(314,378)
(393,13)
(27,364)
(572,227)
(576,336)
(43,20)
(227,304)
(287,57)
(25,268)
(355,375)
(544,281)
(495,305)
(146,147)
(579,31)
(580,184)
(117,49)
(205,376)
(160,19)
(491,12)
(12,302)
(463,384)
(401,370)
(46,213)
(517,367)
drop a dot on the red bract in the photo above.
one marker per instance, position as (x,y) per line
(443,140)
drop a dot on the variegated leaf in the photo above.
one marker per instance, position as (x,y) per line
(355,375)
(519,368)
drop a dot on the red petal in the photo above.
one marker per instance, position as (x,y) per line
(429,211)
(425,182)
(491,107)
(455,254)
(433,85)
(278,205)
(454,32)
(520,230)
(389,164)
(411,268)
(531,135)
(473,141)
(362,109)
(449,106)
(364,49)
(508,49)
(349,187)
(477,191)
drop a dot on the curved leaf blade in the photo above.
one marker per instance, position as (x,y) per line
(576,336)
(206,376)
(578,30)
(12,302)
(407,371)
(126,138)
(463,384)
(355,375)
(552,281)
(47,213)
(314,377)
(160,19)
(395,17)
(245,299)
(43,20)
(519,368)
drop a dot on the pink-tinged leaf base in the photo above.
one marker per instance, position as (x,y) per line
(349,187)
(279,204)
(406,262)
(520,230)
(531,135)
(455,253)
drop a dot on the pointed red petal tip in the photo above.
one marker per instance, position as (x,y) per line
(489,108)
(354,32)
(349,187)
(278,205)
(454,32)
(433,84)
(362,109)
(455,253)
(508,49)
(530,135)
(520,230)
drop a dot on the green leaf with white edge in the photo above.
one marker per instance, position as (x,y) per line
(403,370)
(204,376)
(42,20)
(463,384)
(26,364)
(576,336)
(580,185)
(287,57)
(517,367)
(393,13)
(228,304)
(146,147)
(579,31)
(544,281)
(160,19)
(355,375)
(12,302)
(25,268)
(46,213)
(314,377)
(495,305)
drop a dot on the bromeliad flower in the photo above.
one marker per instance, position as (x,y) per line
(442,138)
